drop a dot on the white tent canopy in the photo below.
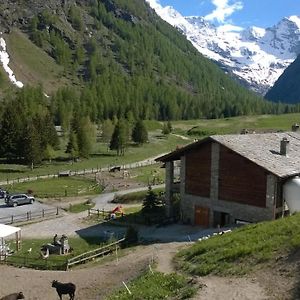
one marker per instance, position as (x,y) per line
(6,230)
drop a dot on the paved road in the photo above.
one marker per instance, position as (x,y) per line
(7,211)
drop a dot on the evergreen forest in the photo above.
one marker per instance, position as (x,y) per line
(125,65)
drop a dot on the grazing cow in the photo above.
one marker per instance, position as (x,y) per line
(14,296)
(64,288)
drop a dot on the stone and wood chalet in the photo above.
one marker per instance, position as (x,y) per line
(226,179)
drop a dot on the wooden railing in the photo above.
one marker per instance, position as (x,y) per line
(79,259)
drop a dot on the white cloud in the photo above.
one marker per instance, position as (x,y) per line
(223,10)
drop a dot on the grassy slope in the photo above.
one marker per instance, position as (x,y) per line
(235,125)
(32,65)
(156,286)
(243,249)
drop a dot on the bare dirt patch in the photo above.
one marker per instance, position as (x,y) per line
(92,283)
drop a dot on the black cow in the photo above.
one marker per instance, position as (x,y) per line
(64,288)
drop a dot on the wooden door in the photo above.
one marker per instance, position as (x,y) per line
(201,216)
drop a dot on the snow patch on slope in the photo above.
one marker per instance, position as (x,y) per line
(4,58)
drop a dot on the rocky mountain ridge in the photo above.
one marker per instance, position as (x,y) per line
(256,56)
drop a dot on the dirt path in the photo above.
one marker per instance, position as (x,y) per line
(92,283)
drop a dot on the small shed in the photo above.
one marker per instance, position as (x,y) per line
(6,231)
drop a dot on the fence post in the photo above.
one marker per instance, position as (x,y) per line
(12,219)
(57,210)
(98,212)
(43,213)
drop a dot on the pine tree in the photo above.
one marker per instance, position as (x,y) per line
(119,138)
(139,133)
(166,129)
(72,147)
(33,153)
(150,202)
(86,136)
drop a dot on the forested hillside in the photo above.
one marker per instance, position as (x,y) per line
(122,58)
(103,60)
(287,87)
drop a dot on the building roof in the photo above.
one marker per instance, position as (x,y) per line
(262,149)
(6,230)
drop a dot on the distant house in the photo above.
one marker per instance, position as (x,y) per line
(226,179)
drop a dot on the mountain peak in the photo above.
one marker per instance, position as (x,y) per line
(256,56)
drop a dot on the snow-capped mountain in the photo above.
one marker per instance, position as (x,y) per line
(257,56)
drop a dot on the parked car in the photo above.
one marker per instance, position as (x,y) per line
(18,199)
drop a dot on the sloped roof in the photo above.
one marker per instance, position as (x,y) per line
(6,230)
(262,149)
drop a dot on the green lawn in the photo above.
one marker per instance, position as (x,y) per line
(243,249)
(58,187)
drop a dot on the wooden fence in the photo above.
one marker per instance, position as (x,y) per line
(28,216)
(31,262)
(102,251)
(79,172)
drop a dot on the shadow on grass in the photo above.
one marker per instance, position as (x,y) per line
(103,155)
(7,171)
(101,232)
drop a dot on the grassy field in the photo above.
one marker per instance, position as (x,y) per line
(159,144)
(156,286)
(243,249)
(149,175)
(235,125)
(33,258)
(99,160)
(57,187)
(136,197)
(79,207)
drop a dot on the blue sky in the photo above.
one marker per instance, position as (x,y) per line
(242,13)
